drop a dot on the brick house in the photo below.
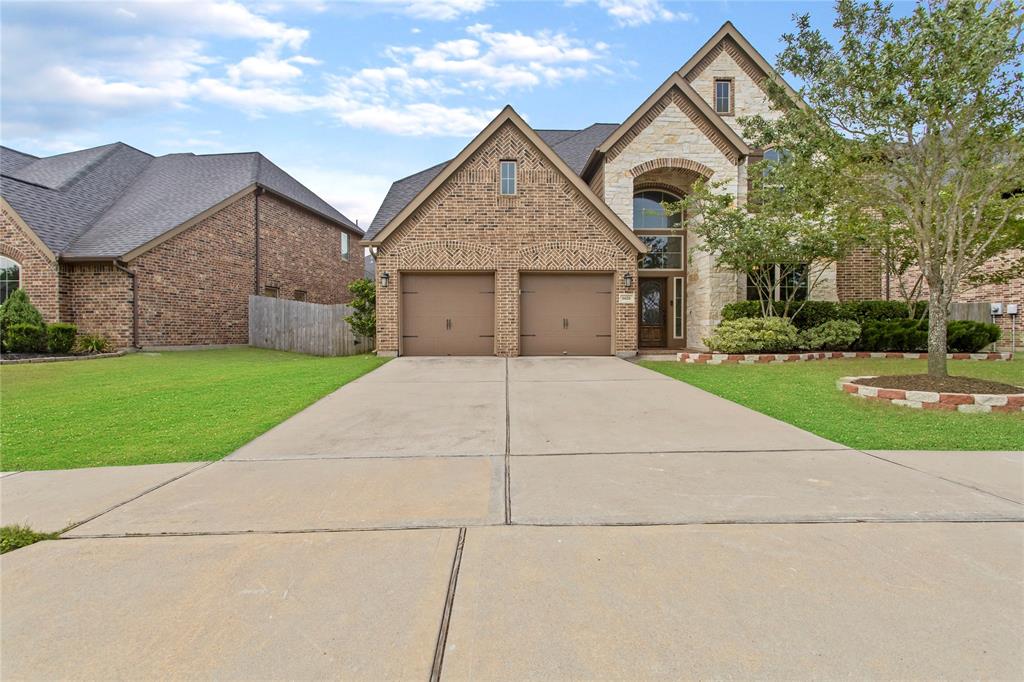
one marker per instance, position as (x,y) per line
(165,251)
(540,242)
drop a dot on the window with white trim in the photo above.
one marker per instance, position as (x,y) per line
(508,178)
(10,277)
(344,245)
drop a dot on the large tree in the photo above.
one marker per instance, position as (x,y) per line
(922,117)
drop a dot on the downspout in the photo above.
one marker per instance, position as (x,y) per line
(256,220)
(135,303)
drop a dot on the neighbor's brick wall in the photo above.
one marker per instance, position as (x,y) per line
(468,226)
(194,288)
(301,251)
(39,275)
(97,297)
(859,276)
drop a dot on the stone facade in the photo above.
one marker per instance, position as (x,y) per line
(39,273)
(468,226)
(728,61)
(194,288)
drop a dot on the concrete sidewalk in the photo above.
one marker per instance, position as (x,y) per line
(563,518)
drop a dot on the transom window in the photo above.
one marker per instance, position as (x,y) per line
(723,95)
(10,277)
(665,252)
(508,177)
(650,214)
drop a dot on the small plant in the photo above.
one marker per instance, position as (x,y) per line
(364,300)
(60,337)
(754,335)
(24,338)
(17,309)
(92,343)
(15,537)
(831,335)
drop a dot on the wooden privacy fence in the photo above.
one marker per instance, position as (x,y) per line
(303,327)
(979,311)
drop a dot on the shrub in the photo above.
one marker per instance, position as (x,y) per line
(894,335)
(831,335)
(92,343)
(753,335)
(18,309)
(60,337)
(967,336)
(24,338)
(15,537)
(364,303)
(814,313)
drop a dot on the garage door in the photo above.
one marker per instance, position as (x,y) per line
(447,314)
(565,314)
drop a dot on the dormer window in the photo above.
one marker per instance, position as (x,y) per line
(724,96)
(508,178)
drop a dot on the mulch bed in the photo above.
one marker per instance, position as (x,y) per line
(925,382)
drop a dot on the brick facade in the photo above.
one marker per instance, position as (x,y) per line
(194,287)
(39,274)
(859,276)
(468,226)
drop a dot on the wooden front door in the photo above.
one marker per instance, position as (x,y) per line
(653,310)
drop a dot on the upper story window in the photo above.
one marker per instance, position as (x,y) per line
(508,177)
(724,96)
(10,277)
(650,214)
(344,245)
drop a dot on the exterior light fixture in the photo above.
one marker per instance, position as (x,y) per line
(384,279)
(627,280)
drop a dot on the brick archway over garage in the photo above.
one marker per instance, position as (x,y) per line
(671,162)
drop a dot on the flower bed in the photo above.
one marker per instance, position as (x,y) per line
(24,358)
(931,400)
(778,358)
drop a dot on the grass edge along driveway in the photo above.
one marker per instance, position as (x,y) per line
(804,394)
(148,408)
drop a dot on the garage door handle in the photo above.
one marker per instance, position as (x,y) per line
(565,323)
(447,324)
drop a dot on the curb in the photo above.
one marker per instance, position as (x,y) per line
(969,403)
(779,358)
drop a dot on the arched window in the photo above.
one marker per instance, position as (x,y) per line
(649,214)
(10,277)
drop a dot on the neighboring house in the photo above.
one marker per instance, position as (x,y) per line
(165,251)
(550,242)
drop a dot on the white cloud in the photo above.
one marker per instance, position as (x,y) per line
(268,67)
(639,12)
(356,194)
(438,10)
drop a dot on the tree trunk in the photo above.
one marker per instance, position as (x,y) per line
(936,333)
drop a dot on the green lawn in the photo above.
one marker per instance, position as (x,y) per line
(804,394)
(146,408)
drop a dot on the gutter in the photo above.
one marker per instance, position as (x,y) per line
(135,302)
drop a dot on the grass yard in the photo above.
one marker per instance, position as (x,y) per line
(146,408)
(804,394)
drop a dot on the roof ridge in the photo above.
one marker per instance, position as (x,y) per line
(17,151)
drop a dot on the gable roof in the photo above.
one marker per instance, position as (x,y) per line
(728,31)
(573,146)
(114,201)
(678,83)
(507,115)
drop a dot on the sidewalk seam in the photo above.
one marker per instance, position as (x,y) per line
(943,478)
(508,451)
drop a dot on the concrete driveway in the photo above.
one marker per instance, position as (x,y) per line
(556,518)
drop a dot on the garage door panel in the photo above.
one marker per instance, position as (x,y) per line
(447,314)
(565,314)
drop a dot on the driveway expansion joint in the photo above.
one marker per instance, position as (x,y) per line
(947,480)
(446,613)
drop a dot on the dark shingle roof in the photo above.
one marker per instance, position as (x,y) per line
(110,200)
(572,146)
(11,159)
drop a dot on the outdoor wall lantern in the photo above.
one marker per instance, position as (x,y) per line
(384,279)
(627,279)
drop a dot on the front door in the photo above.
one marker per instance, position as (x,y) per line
(653,308)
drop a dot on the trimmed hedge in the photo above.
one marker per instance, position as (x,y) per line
(24,338)
(755,335)
(831,335)
(962,336)
(60,337)
(815,313)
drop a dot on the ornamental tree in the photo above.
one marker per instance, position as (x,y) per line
(363,320)
(921,119)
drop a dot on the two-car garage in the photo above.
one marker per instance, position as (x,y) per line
(454,314)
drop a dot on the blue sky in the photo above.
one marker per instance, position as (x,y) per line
(346,96)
